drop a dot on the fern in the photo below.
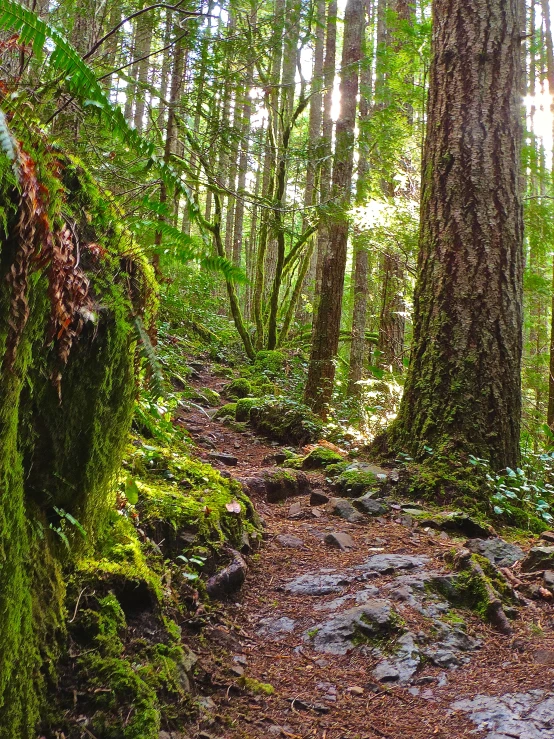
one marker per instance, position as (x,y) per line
(147,351)
(186,249)
(80,81)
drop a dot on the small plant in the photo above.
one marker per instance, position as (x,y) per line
(191,566)
(62,527)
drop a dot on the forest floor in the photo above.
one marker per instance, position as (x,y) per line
(303,619)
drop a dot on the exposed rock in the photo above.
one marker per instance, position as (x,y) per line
(318,497)
(228,580)
(371,506)
(317,584)
(403,664)
(522,715)
(548,536)
(548,578)
(289,541)
(459,523)
(227,459)
(276,626)
(296,510)
(277,485)
(340,540)
(360,478)
(342,632)
(344,509)
(538,558)
(499,552)
(387,564)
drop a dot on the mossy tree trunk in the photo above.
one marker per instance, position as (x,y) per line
(321,371)
(463,389)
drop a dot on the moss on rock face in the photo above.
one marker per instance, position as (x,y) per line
(58,455)
(286,421)
(244,406)
(356,481)
(227,410)
(239,388)
(269,363)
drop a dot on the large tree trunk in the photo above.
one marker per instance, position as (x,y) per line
(321,371)
(463,390)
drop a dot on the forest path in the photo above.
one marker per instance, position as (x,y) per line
(355,644)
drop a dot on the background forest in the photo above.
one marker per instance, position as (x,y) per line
(235,183)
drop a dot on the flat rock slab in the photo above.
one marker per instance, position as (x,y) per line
(289,541)
(347,629)
(499,552)
(344,509)
(457,523)
(318,497)
(511,716)
(317,584)
(276,626)
(387,564)
(340,540)
(403,665)
(227,459)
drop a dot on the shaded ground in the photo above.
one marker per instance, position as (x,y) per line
(267,635)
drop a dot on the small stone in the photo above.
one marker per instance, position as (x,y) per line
(237,670)
(538,558)
(344,509)
(340,540)
(355,690)
(289,541)
(227,459)
(318,497)
(548,578)
(548,536)
(317,584)
(296,510)
(316,513)
(386,673)
(276,626)
(369,505)
(240,659)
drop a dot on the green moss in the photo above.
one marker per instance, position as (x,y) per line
(320,457)
(243,408)
(356,482)
(286,421)
(256,687)
(226,410)
(270,363)
(240,388)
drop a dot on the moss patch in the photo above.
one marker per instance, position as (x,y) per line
(286,421)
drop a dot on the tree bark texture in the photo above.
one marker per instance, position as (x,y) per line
(321,371)
(463,386)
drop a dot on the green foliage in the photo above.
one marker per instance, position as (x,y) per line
(286,420)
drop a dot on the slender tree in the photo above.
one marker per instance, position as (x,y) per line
(321,372)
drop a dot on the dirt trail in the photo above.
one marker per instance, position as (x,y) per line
(339,671)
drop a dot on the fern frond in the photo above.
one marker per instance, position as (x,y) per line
(186,248)
(147,351)
(80,81)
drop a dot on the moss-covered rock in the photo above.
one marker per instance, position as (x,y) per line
(239,388)
(286,421)
(244,406)
(226,411)
(270,363)
(356,480)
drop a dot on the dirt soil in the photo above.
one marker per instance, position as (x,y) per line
(336,696)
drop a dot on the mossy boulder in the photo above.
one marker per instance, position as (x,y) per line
(239,388)
(243,408)
(226,411)
(206,397)
(286,421)
(357,480)
(270,363)
(319,458)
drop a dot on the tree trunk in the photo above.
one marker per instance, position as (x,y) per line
(326,146)
(321,371)
(463,391)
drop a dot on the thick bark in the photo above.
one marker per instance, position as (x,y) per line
(321,371)
(391,320)
(463,391)
(550,73)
